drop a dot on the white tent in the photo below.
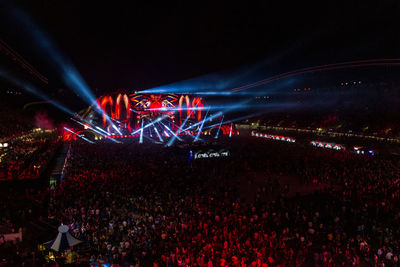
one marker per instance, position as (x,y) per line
(63,241)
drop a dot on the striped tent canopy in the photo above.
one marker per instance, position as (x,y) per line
(63,241)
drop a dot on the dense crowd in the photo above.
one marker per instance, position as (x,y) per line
(147,205)
(27,156)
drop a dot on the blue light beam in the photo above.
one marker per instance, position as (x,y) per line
(174,135)
(219,128)
(87,140)
(158,134)
(141,135)
(32,90)
(172,140)
(201,127)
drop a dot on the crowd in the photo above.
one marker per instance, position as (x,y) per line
(27,156)
(147,205)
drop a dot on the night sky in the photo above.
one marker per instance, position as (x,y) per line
(146,44)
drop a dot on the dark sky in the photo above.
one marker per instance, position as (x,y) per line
(142,45)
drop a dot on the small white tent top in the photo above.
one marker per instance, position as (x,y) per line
(63,241)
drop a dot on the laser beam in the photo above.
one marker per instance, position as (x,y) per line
(150,124)
(158,134)
(219,128)
(201,127)
(141,135)
(172,140)
(174,135)
(83,138)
